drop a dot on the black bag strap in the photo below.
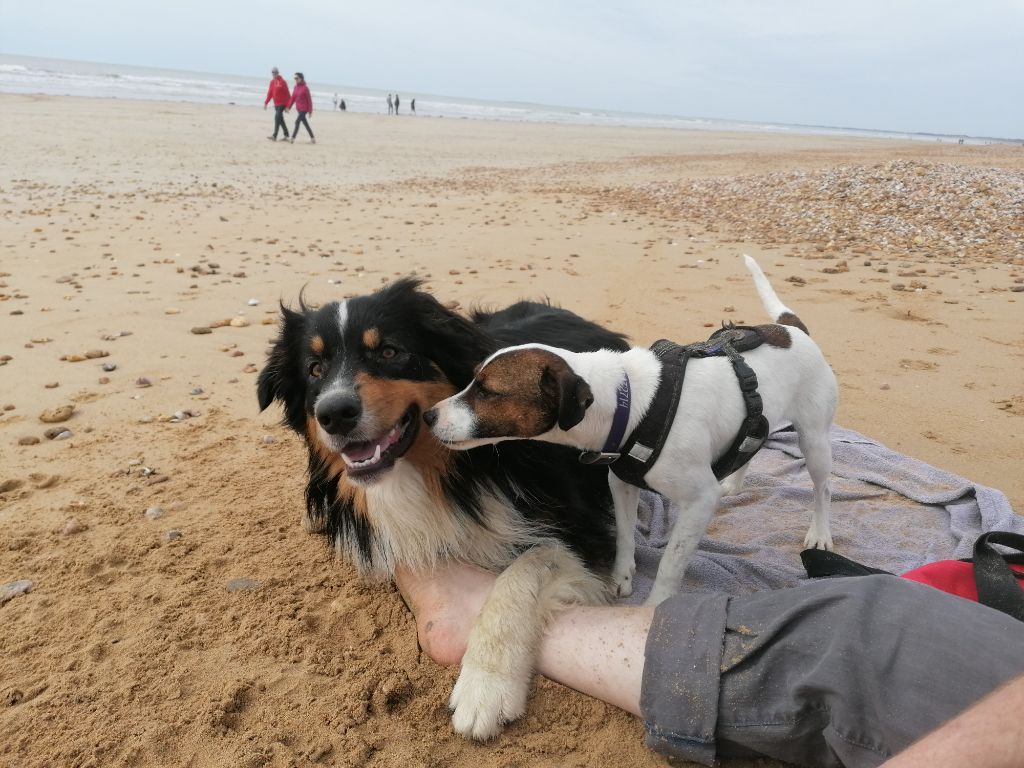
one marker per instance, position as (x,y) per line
(997,584)
(820,563)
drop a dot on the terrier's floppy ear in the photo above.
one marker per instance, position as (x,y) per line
(573,393)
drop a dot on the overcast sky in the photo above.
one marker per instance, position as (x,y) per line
(905,65)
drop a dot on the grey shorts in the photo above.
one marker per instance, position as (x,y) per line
(837,672)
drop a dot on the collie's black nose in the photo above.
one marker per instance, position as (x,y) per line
(339,413)
(430,417)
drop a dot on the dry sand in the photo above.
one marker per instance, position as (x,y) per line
(154,219)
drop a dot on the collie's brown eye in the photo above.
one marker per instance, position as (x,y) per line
(316,370)
(388,353)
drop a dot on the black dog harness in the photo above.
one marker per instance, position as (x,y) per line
(641,449)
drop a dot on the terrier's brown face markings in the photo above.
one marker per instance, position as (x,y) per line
(524,393)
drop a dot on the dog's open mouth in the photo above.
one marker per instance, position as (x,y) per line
(367,458)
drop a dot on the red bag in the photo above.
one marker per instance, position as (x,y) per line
(989,577)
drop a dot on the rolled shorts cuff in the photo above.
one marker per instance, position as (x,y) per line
(679,702)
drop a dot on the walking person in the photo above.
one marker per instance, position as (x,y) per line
(278,91)
(391,105)
(412,106)
(396,103)
(303,102)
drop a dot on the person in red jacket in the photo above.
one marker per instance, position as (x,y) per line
(278,91)
(303,103)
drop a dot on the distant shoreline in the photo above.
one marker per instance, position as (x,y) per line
(29,75)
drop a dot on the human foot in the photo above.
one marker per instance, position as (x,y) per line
(445,601)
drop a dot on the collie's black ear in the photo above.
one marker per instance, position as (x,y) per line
(573,393)
(281,378)
(268,385)
(455,343)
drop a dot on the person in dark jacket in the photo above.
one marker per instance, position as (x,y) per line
(278,91)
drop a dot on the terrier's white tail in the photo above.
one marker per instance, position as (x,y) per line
(778,311)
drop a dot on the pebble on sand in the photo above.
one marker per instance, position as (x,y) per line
(269,439)
(12,589)
(72,527)
(153,513)
(241,584)
(108,367)
(238,322)
(143,382)
(28,440)
(172,535)
(200,330)
(57,415)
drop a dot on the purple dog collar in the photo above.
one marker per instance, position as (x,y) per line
(610,452)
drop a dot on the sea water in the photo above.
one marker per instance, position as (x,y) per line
(59,77)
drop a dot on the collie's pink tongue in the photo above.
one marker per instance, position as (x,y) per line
(360,451)
(366,451)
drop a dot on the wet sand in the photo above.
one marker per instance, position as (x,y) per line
(214,632)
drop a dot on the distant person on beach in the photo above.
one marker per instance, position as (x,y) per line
(335,101)
(396,103)
(278,91)
(391,105)
(412,106)
(303,102)
(343,107)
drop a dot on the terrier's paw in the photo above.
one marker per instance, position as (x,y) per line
(483,701)
(622,578)
(816,539)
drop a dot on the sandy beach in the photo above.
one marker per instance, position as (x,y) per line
(179,615)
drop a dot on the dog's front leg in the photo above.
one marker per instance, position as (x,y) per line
(626,498)
(697,496)
(503,644)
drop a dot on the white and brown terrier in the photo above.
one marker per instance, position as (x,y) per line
(537,392)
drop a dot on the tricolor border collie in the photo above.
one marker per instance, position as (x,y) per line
(354,378)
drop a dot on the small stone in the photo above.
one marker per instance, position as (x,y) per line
(73,358)
(884,386)
(172,535)
(237,353)
(250,368)
(52,432)
(220,323)
(269,440)
(52,384)
(899,287)
(12,589)
(253,302)
(157,479)
(104,380)
(94,354)
(64,435)
(72,527)
(143,382)
(109,367)
(200,330)
(28,440)
(57,415)
(238,322)
(41,480)
(172,311)
(196,391)
(153,513)
(1017,288)
(9,406)
(241,584)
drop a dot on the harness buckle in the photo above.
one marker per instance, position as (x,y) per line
(598,457)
